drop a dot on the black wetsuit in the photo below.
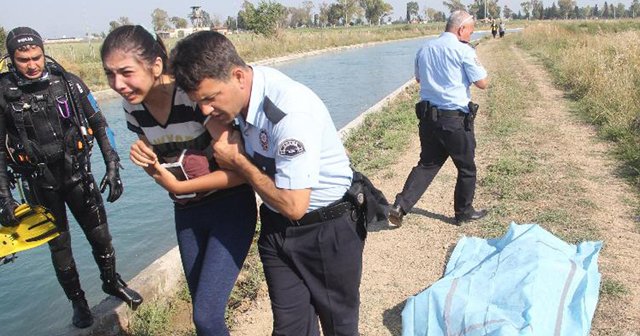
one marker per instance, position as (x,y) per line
(47,128)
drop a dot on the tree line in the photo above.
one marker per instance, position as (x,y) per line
(268,17)
(568,9)
(536,10)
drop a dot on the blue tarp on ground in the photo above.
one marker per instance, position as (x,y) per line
(527,282)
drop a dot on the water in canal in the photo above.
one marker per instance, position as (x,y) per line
(141,221)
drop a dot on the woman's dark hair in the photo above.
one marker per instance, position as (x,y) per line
(205,54)
(137,39)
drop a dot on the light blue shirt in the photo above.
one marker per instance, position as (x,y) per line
(446,68)
(289,134)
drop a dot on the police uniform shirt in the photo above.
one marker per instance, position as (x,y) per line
(446,68)
(289,135)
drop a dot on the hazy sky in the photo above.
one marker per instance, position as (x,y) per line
(76,18)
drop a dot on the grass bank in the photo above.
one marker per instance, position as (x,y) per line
(530,175)
(598,63)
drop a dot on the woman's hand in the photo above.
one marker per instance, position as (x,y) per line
(142,155)
(165,178)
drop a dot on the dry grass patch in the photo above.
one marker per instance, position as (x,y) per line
(544,165)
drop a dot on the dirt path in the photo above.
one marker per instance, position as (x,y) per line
(402,262)
(613,199)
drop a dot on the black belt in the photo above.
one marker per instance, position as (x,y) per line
(331,211)
(451,113)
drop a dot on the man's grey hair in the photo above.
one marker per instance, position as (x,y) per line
(457,19)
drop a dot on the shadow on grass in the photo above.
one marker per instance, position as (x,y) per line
(432,215)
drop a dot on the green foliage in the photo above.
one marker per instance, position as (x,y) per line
(183,292)
(454,5)
(349,9)
(524,173)
(122,21)
(179,22)
(3,39)
(412,10)
(598,63)
(248,285)
(478,9)
(613,288)
(151,319)
(335,14)
(375,10)
(160,20)
(374,145)
(301,16)
(265,20)
(434,15)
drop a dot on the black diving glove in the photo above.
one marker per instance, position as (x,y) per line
(112,178)
(7,211)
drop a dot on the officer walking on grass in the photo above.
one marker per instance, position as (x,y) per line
(312,236)
(446,67)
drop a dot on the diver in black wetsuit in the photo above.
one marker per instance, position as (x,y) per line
(48,121)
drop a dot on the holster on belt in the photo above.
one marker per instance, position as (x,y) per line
(369,201)
(471,116)
(422,109)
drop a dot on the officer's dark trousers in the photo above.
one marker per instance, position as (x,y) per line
(312,271)
(85,203)
(439,140)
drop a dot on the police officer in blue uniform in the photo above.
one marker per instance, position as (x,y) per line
(312,238)
(446,67)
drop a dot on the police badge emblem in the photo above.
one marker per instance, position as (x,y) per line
(264,139)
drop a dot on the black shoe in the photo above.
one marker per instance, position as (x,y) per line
(82,317)
(120,290)
(473,215)
(395,215)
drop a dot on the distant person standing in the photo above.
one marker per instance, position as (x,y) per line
(446,67)
(502,29)
(494,28)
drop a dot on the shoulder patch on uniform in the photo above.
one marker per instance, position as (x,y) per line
(290,148)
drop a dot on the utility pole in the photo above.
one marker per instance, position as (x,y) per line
(485,10)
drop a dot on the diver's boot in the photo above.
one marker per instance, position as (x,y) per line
(70,282)
(82,317)
(112,284)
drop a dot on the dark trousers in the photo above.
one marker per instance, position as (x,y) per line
(214,238)
(82,196)
(439,140)
(312,271)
